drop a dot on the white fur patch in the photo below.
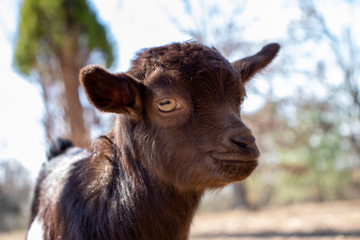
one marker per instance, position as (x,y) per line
(36,231)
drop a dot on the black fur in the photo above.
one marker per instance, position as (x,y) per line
(58,147)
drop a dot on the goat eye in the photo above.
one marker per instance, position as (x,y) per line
(167,104)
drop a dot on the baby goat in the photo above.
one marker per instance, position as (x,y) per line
(178,133)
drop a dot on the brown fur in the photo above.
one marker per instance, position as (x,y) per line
(144,180)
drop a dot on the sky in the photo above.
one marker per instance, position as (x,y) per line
(133,24)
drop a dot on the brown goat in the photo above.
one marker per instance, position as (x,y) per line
(178,133)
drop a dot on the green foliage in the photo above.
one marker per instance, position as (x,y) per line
(311,157)
(321,152)
(45,24)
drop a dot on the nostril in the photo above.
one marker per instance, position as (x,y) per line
(240,144)
(244,141)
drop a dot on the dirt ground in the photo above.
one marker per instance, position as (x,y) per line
(334,220)
(325,221)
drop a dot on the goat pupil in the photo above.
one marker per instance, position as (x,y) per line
(165,103)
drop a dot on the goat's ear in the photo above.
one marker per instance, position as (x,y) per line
(116,93)
(248,67)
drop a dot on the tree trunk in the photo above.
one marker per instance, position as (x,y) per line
(79,135)
(240,196)
(48,116)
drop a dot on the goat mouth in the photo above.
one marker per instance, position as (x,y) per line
(236,158)
(248,164)
(234,166)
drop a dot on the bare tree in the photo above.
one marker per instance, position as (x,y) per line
(209,23)
(343,45)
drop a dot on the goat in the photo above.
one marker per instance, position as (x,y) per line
(178,133)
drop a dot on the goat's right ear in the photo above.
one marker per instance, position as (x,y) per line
(115,93)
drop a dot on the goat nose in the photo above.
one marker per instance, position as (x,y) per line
(244,141)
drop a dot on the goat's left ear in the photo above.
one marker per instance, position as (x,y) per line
(115,93)
(248,67)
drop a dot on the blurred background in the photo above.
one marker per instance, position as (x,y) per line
(304,109)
